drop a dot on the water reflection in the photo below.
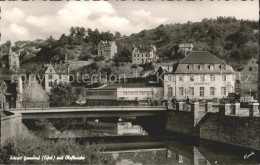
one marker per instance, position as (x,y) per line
(142,149)
(64,128)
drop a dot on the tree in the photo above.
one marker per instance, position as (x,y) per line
(63,40)
(117,34)
(123,56)
(34,92)
(64,94)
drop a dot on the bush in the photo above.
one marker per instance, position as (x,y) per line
(99,58)
(134,66)
(29,145)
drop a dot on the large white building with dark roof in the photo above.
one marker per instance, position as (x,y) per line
(199,75)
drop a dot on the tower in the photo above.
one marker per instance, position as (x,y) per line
(13,60)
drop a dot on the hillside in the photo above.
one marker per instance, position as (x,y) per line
(235,41)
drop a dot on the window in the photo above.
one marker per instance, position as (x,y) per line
(202,78)
(141,92)
(134,55)
(223,91)
(201,67)
(50,76)
(170,91)
(124,93)
(211,67)
(137,55)
(192,91)
(50,84)
(224,78)
(60,77)
(201,91)
(190,67)
(223,67)
(50,70)
(170,78)
(250,69)
(180,77)
(146,55)
(181,91)
(212,91)
(212,78)
(135,92)
(192,78)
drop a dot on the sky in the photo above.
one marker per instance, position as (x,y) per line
(39,19)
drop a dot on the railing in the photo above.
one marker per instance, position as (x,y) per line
(59,106)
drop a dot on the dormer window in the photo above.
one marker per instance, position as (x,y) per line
(211,67)
(201,67)
(190,67)
(223,67)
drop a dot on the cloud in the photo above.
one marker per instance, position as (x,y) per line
(14,15)
(100,15)
(144,17)
(18,30)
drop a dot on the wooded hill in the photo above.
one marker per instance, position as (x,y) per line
(235,41)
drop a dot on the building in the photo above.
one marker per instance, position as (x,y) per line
(125,94)
(248,78)
(185,48)
(143,53)
(199,75)
(107,49)
(10,61)
(55,74)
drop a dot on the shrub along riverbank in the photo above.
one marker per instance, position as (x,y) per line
(27,145)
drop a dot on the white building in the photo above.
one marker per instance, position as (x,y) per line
(143,53)
(55,74)
(125,92)
(199,75)
(185,48)
(107,49)
(248,78)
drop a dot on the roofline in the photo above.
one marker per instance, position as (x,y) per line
(201,51)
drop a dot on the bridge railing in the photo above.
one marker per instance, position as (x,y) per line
(57,105)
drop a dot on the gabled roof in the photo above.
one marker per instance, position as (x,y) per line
(107,43)
(144,48)
(201,57)
(59,68)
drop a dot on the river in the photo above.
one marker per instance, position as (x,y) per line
(129,143)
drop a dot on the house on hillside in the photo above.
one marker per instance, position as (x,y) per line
(199,75)
(143,53)
(107,49)
(185,48)
(248,78)
(55,74)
